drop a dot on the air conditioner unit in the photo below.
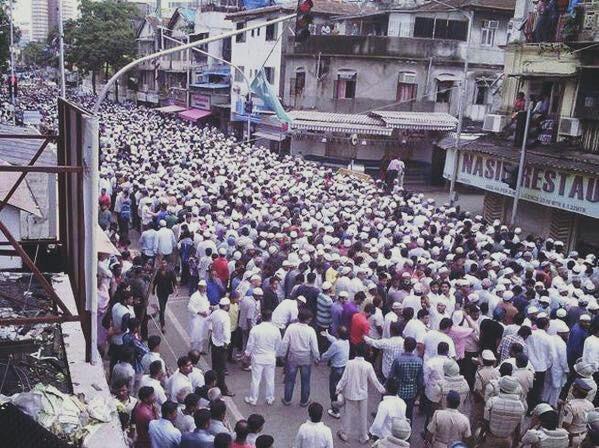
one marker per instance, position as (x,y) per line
(407,78)
(570,127)
(494,123)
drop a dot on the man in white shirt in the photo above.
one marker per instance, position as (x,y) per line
(590,350)
(163,433)
(221,338)
(432,339)
(540,354)
(153,355)
(165,242)
(154,379)
(300,346)
(390,317)
(433,374)
(179,385)
(314,433)
(196,376)
(199,324)
(389,408)
(262,347)
(354,387)
(417,329)
(286,312)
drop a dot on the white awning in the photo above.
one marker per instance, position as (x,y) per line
(423,121)
(446,77)
(103,243)
(173,109)
(269,136)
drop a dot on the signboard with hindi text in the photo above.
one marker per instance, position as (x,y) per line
(554,187)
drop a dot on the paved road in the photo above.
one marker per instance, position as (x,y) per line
(281,421)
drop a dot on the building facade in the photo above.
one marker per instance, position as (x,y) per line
(553,64)
(410,59)
(44,16)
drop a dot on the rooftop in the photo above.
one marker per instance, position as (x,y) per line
(502,5)
(324,7)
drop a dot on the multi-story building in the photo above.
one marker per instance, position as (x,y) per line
(211,71)
(148,42)
(44,16)
(39,20)
(551,62)
(403,58)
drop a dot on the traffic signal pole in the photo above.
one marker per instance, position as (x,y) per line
(521,167)
(183,47)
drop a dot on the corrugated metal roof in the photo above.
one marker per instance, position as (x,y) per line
(434,121)
(504,5)
(389,120)
(327,126)
(331,117)
(326,7)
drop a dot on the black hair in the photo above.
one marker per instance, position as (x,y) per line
(315,412)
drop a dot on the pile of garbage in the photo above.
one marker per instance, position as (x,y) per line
(67,416)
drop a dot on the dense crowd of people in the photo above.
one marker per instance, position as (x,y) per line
(490,335)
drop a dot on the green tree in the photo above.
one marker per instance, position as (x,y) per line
(5,36)
(35,53)
(103,38)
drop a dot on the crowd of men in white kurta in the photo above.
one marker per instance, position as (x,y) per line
(487,335)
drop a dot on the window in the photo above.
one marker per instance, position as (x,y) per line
(271,32)
(487,32)
(406,87)
(240,38)
(345,85)
(444,91)
(238,75)
(270,74)
(423,27)
(440,28)
(480,93)
(322,67)
(298,83)
(252,33)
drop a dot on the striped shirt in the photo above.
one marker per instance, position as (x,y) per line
(323,310)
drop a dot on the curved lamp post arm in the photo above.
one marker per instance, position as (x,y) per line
(168,51)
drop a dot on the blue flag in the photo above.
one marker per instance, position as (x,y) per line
(263,90)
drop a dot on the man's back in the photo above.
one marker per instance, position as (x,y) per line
(449,425)
(197,439)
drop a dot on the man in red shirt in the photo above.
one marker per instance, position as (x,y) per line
(145,411)
(359,327)
(104,199)
(221,266)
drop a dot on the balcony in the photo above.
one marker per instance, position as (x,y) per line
(581,25)
(380,46)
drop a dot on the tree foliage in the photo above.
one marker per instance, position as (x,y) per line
(5,36)
(103,38)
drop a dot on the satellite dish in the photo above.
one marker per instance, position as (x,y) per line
(354,139)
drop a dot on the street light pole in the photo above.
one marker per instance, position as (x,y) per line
(245,78)
(12,65)
(61,50)
(456,161)
(521,167)
(168,51)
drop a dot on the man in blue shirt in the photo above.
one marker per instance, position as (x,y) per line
(337,356)
(200,437)
(407,370)
(575,344)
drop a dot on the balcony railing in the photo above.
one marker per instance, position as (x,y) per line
(579,25)
(380,46)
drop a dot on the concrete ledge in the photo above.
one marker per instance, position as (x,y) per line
(87,379)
